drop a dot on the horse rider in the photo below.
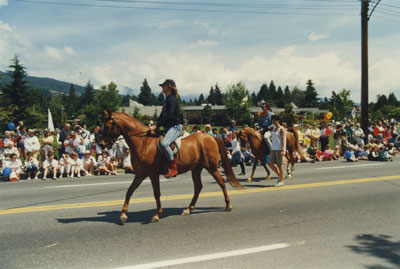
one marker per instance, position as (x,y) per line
(170,119)
(265,124)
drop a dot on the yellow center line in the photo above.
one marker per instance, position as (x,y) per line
(189,196)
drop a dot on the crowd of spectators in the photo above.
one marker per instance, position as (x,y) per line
(75,152)
(70,152)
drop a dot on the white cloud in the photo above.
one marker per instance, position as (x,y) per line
(315,37)
(207,43)
(3,3)
(4,26)
(59,54)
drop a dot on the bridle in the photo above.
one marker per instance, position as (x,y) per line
(121,131)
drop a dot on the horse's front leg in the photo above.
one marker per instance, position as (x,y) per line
(251,177)
(196,176)
(136,182)
(155,182)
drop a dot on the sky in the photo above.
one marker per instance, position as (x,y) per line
(202,43)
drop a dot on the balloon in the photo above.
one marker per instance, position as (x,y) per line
(307,141)
(11,126)
(328,131)
(6,172)
(329,115)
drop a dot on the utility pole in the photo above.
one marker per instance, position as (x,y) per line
(364,66)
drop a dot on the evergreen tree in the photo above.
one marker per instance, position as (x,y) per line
(108,97)
(287,95)
(89,94)
(211,99)
(146,97)
(253,99)
(272,93)
(298,97)
(201,100)
(207,114)
(160,99)
(218,95)
(392,100)
(310,95)
(280,98)
(14,94)
(381,101)
(262,94)
(71,102)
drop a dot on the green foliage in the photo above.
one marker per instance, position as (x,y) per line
(215,96)
(146,97)
(310,95)
(288,115)
(298,97)
(237,103)
(340,103)
(160,99)
(280,98)
(207,114)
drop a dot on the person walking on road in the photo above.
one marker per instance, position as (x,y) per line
(278,149)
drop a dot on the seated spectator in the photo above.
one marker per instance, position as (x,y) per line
(8,150)
(50,167)
(349,155)
(392,149)
(104,165)
(312,153)
(89,163)
(64,165)
(248,155)
(31,166)
(127,164)
(328,153)
(373,154)
(336,152)
(15,165)
(364,153)
(76,165)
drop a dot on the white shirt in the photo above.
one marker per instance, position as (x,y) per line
(15,165)
(31,143)
(89,160)
(68,144)
(127,161)
(52,164)
(276,139)
(235,146)
(30,162)
(101,161)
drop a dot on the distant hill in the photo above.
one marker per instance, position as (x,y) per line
(48,85)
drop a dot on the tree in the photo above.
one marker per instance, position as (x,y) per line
(146,97)
(310,95)
(207,114)
(14,94)
(237,103)
(108,97)
(88,96)
(71,102)
(215,96)
(160,99)
(287,95)
(280,98)
(392,100)
(271,93)
(298,96)
(340,103)
(262,93)
(381,101)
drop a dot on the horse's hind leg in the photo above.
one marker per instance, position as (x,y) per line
(290,160)
(221,183)
(136,182)
(266,169)
(196,176)
(253,170)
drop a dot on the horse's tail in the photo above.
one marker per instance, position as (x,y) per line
(297,142)
(227,165)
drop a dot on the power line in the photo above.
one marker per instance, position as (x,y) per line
(184,9)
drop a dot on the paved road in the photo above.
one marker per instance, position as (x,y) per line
(331,215)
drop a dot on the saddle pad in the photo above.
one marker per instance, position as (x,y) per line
(177,142)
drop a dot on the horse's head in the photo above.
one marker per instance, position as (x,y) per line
(243,137)
(110,130)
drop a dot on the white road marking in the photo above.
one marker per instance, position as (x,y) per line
(347,166)
(209,256)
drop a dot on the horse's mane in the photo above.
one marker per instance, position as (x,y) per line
(253,132)
(133,122)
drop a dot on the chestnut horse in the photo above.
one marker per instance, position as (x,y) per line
(260,149)
(197,151)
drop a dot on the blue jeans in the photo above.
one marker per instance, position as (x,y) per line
(172,134)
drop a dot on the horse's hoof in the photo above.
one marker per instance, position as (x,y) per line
(123,218)
(268,177)
(186,212)
(155,219)
(289,176)
(249,179)
(228,208)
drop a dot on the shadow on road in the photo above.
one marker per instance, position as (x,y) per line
(143,217)
(379,246)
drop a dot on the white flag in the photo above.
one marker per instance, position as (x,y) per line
(50,124)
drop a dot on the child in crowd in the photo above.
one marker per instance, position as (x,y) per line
(349,155)
(76,165)
(374,154)
(81,148)
(32,166)
(15,165)
(364,153)
(50,167)
(127,164)
(64,165)
(89,163)
(328,153)
(104,165)
(248,155)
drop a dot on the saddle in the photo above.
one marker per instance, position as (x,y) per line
(175,146)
